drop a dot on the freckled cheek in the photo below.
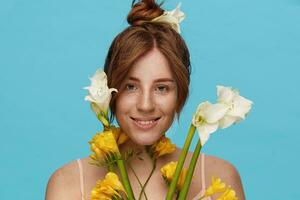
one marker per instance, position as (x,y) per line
(125,103)
(167,104)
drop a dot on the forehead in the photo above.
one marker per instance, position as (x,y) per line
(153,65)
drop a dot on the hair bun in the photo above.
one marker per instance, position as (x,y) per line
(143,11)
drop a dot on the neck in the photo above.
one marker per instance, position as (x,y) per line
(139,151)
(129,144)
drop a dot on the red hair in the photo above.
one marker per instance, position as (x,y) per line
(141,37)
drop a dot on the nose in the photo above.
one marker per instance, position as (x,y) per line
(145,102)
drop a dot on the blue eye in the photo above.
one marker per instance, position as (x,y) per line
(130,87)
(162,88)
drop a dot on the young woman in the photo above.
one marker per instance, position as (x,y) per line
(149,65)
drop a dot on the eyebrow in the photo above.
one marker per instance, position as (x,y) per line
(156,80)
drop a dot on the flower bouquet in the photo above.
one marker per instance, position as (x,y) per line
(229,109)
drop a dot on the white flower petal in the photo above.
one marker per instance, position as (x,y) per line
(173,17)
(225,94)
(99,91)
(100,75)
(198,115)
(202,107)
(205,130)
(227,121)
(240,107)
(215,112)
(177,13)
(203,137)
(89,98)
(210,128)
(113,90)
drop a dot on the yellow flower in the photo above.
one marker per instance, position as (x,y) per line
(215,187)
(107,189)
(119,135)
(98,154)
(229,194)
(105,142)
(104,146)
(168,171)
(112,180)
(162,147)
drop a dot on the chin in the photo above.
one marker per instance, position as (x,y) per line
(145,141)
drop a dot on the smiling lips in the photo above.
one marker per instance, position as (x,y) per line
(145,124)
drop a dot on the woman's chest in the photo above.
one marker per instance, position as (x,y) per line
(156,188)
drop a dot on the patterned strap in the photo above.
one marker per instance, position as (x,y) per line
(81,178)
(201,193)
(202,172)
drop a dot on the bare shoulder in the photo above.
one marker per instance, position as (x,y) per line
(217,167)
(220,166)
(63,183)
(223,169)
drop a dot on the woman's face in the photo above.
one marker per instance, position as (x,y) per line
(146,104)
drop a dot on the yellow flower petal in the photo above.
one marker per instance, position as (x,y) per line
(168,171)
(112,180)
(104,148)
(119,135)
(229,194)
(105,142)
(108,188)
(215,187)
(162,147)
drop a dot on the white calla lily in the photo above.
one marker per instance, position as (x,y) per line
(207,117)
(238,105)
(173,17)
(99,93)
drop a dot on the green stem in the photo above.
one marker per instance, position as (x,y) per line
(125,179)
(104,121)
(141,185)
(201,198)
(151,173)
(187,181)
(110,168)
(180,163)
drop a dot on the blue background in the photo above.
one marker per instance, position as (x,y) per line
(49,49)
